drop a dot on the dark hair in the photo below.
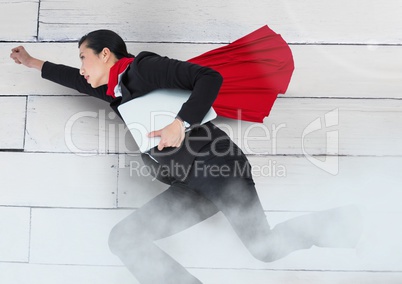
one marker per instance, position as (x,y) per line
(99,39)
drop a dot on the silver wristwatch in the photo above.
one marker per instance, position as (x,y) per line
(186,125)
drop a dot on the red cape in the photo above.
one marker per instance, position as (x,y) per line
(255,69)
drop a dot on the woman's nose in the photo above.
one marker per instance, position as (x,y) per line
(81,71)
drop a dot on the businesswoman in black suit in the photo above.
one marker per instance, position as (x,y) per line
(206,172)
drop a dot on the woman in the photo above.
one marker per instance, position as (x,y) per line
(217,175)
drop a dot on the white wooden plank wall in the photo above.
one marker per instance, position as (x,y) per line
(65,158)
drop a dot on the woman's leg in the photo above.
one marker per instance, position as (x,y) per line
(132,240)
(233,192)
(336,228)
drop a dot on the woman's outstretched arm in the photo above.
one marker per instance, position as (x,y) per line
(61,74)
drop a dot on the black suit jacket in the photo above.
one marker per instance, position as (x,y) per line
(146,73)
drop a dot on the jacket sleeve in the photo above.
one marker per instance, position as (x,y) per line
(70,77)
(163,72)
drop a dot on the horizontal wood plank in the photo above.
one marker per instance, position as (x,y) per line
(295,126)
(66,274)
(322,126)
(296,184)
(58,180)
(292,183)
(81,125)
(12,122)
(321,70)
(18,20)
(81,236)
(11,273)
(14,234)
(378,250)
(225,21)
(346,71)
(84,242)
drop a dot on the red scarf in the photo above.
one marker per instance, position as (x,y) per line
(115,71)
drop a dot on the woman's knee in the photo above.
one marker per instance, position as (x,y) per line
(115,239)
(122,240)
(267,255)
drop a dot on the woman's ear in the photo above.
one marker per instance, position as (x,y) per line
(106,54)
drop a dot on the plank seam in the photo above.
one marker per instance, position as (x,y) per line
(298,270)
(204,43)
(38,21)
(227,268)
(25,123)
(282,96)
(117,182)
(30,234)
(248,155)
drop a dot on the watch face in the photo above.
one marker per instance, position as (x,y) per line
(186,124)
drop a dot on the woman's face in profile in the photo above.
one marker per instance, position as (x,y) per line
(94,67)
